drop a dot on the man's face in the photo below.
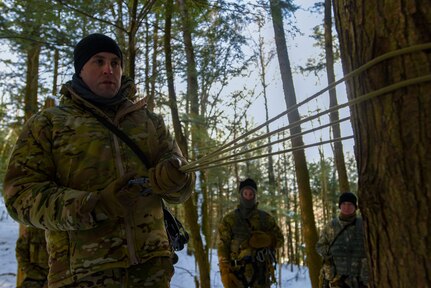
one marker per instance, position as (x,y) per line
(102,74)
(247,194)
(347,208)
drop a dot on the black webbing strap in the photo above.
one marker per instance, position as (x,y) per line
(123,136)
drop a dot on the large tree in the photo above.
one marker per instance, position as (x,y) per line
(392,134)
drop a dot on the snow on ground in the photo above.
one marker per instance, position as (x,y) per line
(185,269)
(8,236)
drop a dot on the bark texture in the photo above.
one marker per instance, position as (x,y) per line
(392,135)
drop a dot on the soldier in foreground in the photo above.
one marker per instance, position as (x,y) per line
(69,175)
(32,258)
(247,239)
(341,245)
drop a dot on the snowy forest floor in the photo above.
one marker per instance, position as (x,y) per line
(185,269)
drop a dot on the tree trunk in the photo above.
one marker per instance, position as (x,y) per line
(263,62)
(196,128)
(32,78)
(340,164)
(30,108)
(55,72)
(151,92)
(392,135)
(306,203)
(131,45)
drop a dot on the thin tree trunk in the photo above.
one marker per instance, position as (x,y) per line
(192,93)
(263,64)
(133,28)
(55,74)
(148,77)
(32,78)
(30,108)
(340,164)
(307,216)
(324,191)
(151,92)
(392,135)
(49,101)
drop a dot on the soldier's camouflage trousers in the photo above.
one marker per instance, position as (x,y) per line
(32,283)
(156,272)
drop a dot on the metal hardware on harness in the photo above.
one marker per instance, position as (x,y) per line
(143,182)
(262,253)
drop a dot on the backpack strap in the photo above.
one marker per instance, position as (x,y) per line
(262,219)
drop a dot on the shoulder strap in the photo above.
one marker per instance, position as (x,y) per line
(239,221)
(123,136)
(262,219)
(173,225)
(341,232)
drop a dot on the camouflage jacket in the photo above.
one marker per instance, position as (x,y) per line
(63,154)
(347,253)
(31,253)
(235,231)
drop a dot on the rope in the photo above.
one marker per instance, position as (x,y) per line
(212,165)
(205,165)
(206,160)
(274,142)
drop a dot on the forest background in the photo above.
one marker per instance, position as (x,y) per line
(220,73)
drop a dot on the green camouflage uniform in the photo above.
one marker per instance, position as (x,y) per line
(32,257)
(345,262)
(63,154)
(234,232)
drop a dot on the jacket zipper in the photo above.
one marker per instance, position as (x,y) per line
(128,217)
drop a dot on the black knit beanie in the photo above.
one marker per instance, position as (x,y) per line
(91,45)
(248,183)
(348,197)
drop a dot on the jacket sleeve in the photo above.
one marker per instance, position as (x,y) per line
(223,241)
(31,193)
(168,148)
(322,245)
(276,232)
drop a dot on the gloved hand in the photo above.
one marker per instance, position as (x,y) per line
(260,239)
(328,260)
(166,176)
(339,281)
(35,272)
(229,279)
(118,196)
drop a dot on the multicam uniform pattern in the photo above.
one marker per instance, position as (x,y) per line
(32,257)
(63,156)
(345,261)
(234,233)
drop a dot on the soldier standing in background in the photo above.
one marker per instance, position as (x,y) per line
(32,258)
(247,239)
(341,245)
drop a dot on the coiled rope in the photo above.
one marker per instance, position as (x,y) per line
(213,159)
